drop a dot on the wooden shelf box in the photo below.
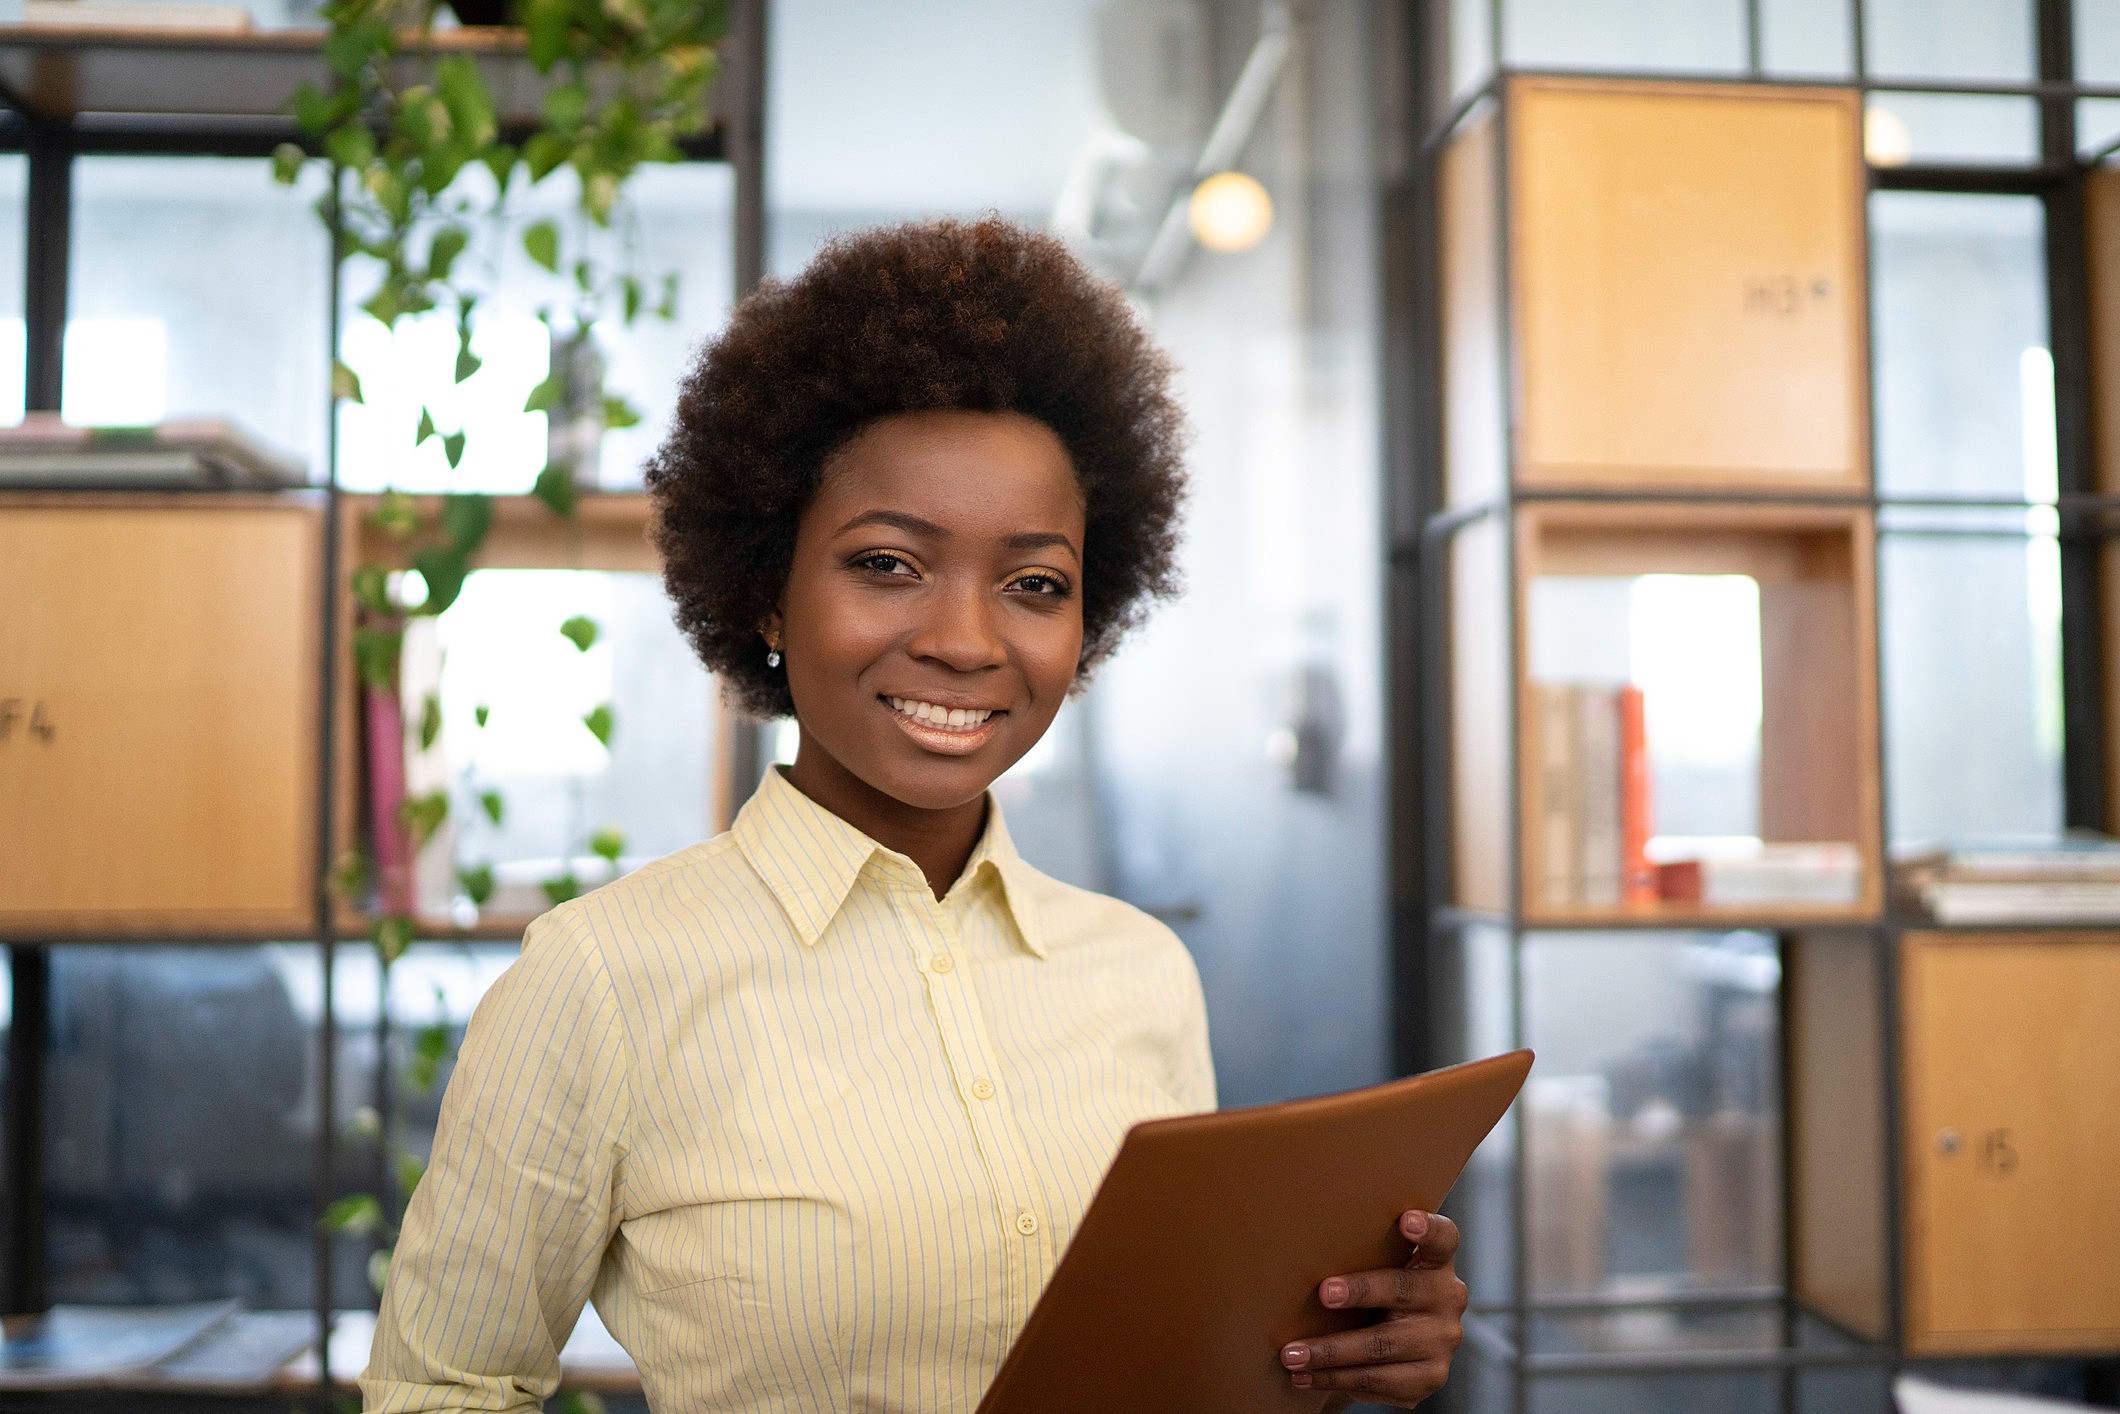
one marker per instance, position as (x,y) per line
(2009,1138)
(1656,286)
(158,714)
(1818,777)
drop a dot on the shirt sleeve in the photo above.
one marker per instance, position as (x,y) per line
(503,1237)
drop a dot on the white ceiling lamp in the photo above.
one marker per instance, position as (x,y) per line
(1230,212)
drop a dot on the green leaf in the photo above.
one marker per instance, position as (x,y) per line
(479,714)
(477,883)
(389,190)
(541,243)
(500,159)
(345,383)
(429,1049)
(566,105)
(561,887)
(379,1269)
(666,307)
(582,1401)
(467,362)
(391,936)
(463,88)
(490,801)
(350,144)
(426,428)
(467,517)
(396,515)
(315,111)
(543,153)
(608,843)
(619,413)
(444,568)
(580,631)
(350,46)
(371,589)
(410,1167)
(349,876)
(375,655)
(448,243)
(546,24)
(598,721)
(287,160)
(430,721)
(546,395)
(584,276)
(385,306)
(422,815)
(629,297)
(453,448)
(360,1214)
(440,166)
(600,196)
(555,487)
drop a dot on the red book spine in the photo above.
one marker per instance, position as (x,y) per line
(1638,875)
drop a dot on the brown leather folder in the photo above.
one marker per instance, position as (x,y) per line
(1201,1254)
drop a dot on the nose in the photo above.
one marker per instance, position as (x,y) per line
(957,629)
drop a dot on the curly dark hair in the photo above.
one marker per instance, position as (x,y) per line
(985,316)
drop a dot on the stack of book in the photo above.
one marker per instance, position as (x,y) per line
(1591,756)
(1595,844)
(2065,881)
(45,453)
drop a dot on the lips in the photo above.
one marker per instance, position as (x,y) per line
(944,729)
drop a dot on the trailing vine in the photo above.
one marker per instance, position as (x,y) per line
(423,180)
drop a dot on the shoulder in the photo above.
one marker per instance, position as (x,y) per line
(694,902)
(1081,925)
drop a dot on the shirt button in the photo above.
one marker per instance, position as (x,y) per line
(1026,1223)
(942,962)
(982,1089)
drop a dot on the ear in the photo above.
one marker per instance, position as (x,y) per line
(770,630)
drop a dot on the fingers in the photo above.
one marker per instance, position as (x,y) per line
(1434,1236)
(1431,1325)
(1403,1385)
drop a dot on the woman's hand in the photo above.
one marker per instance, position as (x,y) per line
(1405,1356)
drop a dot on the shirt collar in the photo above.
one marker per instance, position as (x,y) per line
(810,858)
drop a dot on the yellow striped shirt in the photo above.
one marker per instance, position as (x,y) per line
(809,1138)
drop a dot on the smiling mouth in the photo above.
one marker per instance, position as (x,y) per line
(962,721)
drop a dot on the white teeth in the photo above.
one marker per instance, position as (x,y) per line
(946,718)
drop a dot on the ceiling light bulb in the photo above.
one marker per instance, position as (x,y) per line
(1230,212)
(1885,139)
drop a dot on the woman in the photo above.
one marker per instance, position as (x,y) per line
(812,1109)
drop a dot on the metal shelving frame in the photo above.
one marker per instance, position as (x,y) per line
(50,142)
(1428,931)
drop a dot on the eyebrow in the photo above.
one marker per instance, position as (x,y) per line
(915,525)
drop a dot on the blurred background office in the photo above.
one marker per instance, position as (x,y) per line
(1265,765)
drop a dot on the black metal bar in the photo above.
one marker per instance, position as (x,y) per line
(1859,39)
(1755,40)
(46,259)
(326,824)
(2083,689)
(28,1042)
(2021,180)
(1411,322)
(1679,1300)
(743,123)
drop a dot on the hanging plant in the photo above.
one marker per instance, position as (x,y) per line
(422,182)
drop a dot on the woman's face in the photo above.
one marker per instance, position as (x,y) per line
(932,621)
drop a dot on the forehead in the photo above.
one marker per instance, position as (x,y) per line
(968,471)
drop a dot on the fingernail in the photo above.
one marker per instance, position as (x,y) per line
(1415,1226)
(1300,1381)
(1295,1357)
(1333,1292)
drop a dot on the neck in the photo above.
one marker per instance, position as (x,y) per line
(939,841)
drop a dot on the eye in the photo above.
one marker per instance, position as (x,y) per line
(883,563)
(1042,584)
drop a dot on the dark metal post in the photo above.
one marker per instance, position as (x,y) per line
(46,263)
(29,972)
(743,117)
(328,725)
(2068,336)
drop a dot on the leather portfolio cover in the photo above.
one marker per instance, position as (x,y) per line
(1200,1256)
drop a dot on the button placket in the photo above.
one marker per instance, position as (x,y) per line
(1019,1197)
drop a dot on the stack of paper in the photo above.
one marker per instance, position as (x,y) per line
(46,453)
(2064,881)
